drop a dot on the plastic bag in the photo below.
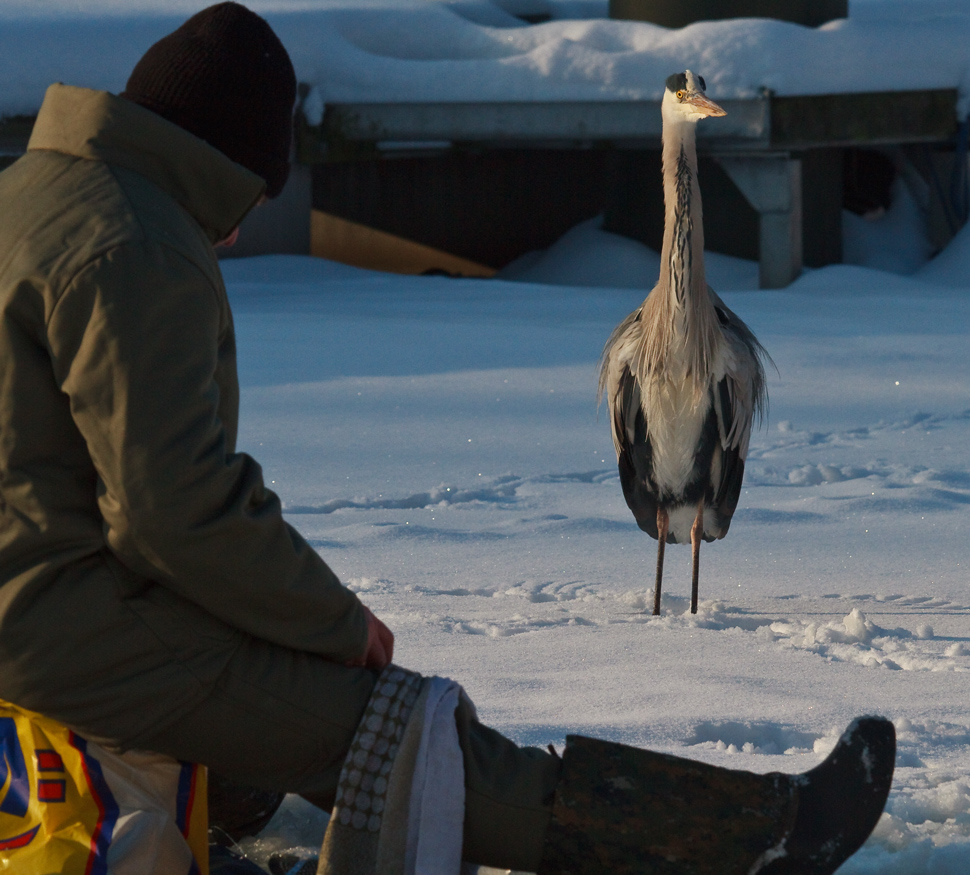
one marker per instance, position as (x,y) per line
(69,806)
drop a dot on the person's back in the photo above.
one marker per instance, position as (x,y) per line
(107,283)
(72,215)
(48,503)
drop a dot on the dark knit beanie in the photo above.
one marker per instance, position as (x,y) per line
(225,77)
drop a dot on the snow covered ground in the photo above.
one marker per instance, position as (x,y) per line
(438,441)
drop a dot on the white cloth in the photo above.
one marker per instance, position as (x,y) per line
(400,803)
(437,811)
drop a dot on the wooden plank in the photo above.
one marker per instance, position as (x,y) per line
(488,206)
(765,122)
(679,13)
(863,119)
(566,124)
(772,122)
(352,243)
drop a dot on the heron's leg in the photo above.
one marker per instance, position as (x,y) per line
(663,522)
(696,534)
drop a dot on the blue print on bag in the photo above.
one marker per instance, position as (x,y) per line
(14,780)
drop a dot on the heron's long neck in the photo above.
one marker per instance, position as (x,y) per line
(685,324)
(682,255)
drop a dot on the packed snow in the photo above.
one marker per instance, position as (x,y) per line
(477,50)
(437,440)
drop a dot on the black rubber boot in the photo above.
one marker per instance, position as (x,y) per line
(621,810)
(840,800)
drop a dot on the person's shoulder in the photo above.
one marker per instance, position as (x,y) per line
(155,219)
(57,214)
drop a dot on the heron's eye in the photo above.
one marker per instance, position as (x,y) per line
(680,95)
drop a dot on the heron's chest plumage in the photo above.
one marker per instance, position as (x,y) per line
(677,414)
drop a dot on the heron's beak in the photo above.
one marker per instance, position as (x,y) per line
(704,106)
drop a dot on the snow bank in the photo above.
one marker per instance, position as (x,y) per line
(473,50)
(588,256)
(952,266)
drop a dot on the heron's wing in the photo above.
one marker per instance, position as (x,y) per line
(737,396)
(628,422)
(616,358)
(633,450)
(741,393)
(730,473)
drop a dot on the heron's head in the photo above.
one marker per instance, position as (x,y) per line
(684,98)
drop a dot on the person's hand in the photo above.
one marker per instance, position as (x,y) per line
(380,644)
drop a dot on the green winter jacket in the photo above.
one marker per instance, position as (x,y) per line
(119,480)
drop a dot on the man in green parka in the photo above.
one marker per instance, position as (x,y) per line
(151,594)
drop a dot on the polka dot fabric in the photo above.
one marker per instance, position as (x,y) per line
(363,781)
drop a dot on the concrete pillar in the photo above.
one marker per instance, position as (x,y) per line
(772,184)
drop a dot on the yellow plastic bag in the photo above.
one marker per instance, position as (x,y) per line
(70,807)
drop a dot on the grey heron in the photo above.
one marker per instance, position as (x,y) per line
(683,376)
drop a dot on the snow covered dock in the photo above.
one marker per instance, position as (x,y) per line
(383,72)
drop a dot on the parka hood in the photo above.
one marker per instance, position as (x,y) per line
(99,126)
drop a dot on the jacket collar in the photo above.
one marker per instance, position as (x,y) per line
(100,126)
